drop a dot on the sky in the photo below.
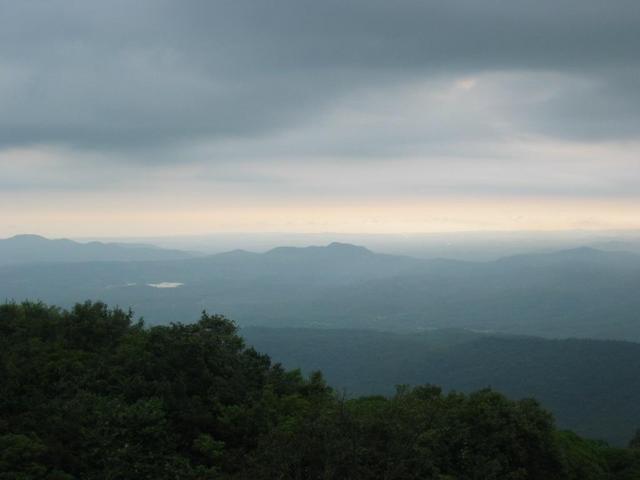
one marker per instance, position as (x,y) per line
(188,117)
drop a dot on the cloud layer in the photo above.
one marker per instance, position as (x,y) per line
(299,100)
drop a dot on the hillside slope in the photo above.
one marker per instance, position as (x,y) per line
(592,387)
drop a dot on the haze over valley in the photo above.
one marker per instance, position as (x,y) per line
(578,292)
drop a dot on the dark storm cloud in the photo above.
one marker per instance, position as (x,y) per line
(125,74)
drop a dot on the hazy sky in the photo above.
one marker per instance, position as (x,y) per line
(179,117)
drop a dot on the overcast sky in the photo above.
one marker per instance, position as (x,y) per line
(180,117)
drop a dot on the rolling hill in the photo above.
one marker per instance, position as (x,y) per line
(34,249)
(592,387)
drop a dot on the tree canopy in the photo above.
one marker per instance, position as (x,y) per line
(90,393)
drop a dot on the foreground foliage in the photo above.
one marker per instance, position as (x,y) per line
(90,394)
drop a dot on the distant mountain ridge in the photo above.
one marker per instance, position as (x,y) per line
(581,292)
(576,255)
(334,248)
(29,248)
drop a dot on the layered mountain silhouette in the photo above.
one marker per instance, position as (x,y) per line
(581,292)
(34,248)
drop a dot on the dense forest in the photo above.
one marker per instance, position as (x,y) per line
(591,386)
(89,393)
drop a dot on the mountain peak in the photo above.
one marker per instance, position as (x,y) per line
(348,247)
(22,237)
(332,248)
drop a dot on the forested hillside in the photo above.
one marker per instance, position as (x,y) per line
(91,394)
(591,386)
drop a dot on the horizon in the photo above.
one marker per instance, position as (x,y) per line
(466,246)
